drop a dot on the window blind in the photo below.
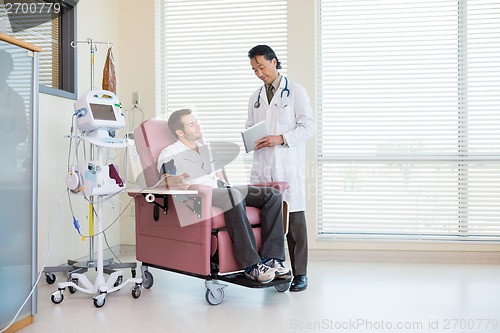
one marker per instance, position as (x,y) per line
(204,64)
(409,121)
(43,32)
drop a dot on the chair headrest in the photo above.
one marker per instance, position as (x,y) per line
(150,138)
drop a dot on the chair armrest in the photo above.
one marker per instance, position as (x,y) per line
(158,191)
(280,186)
(203,190)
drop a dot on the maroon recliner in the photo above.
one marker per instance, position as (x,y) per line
(180,231)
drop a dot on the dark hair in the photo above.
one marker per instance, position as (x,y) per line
(266,51)
(175,121)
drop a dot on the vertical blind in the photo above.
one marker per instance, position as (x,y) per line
(409,134)
(204,64)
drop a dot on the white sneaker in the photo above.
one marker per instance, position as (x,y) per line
(283,272)
(261,273)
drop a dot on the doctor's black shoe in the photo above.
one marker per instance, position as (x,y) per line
(283,272)
(299,283)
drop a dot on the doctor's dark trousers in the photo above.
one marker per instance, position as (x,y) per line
(233,202)
(297,242)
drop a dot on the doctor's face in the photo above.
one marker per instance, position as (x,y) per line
(264,69)
(191,131)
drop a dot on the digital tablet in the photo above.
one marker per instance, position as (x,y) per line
(252,134)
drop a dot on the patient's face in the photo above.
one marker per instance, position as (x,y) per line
(192,131)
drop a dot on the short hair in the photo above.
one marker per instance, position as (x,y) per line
(175,120)
(266,51)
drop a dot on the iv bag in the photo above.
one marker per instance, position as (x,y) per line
(108,75)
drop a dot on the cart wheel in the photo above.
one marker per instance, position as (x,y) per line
(282,287)
(214,297)
(57,298)
(136,291)
(99,303)
(118,281)
(71,288)
(147,280)
(50,278)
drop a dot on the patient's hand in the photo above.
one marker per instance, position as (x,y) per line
(176,181)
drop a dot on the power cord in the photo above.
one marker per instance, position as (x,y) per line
(75,223)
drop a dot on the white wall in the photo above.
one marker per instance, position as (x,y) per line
(130,26)
(97,20)
(138,54)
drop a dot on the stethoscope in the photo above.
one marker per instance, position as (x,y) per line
(257,103)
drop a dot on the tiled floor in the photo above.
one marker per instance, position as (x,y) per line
(342,297)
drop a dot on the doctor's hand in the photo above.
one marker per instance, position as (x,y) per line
(176,181)
(269,141)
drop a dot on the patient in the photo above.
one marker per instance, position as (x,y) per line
(188,162)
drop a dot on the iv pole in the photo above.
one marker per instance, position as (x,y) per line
(72,265)
(115,280)
(93,49)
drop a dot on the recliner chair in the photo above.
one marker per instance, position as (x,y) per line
(180,231)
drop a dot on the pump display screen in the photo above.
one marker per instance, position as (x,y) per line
(103,112)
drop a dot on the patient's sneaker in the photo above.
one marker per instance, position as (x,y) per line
(260,272)
(283,272)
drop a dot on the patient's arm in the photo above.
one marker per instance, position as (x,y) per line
(175,181)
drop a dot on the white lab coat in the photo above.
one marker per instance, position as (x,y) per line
(292,117)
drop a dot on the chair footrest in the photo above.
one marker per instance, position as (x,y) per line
(242,280)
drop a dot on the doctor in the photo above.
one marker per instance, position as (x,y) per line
(280,156)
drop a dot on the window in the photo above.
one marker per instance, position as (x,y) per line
(409,137)
(51,26)
(204,63)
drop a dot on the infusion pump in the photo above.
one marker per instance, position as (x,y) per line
(99,110)
(98,113)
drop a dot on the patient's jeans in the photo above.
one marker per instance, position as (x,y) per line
(233,202)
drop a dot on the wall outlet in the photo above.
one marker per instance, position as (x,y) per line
(136,98)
